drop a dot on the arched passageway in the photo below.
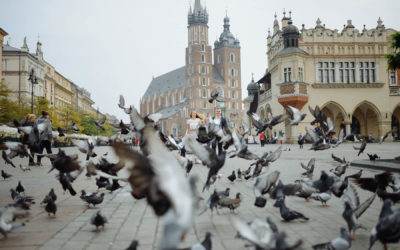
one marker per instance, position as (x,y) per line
(337,114)
(368,117)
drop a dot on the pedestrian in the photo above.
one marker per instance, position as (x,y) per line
(193,124)
(319,130)
(262,141)
(30,121)
(219,121)
(133,142)
(300,140)
(46,137)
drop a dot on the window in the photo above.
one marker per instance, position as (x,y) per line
(203,58)
(218,59)
(393,80)
(301,74)
(233,83)
(232,57)
(195,33)
(204,93)
(287,74)
(326,72)
(205,105)
(233,105)
(367,72)
(232,72)
(203,81)
(203,70)
(233,94)
(203,47)
(190,59)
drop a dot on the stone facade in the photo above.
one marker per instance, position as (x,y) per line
(2,35)
(176,93)
(342,71)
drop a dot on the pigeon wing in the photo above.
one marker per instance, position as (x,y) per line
(364,206)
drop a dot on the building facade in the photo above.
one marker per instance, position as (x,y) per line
(2,35)
(177,92)
(342,71)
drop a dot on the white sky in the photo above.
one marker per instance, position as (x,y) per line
(113,47)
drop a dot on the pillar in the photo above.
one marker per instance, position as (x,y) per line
(293,135)
(383,127)
(348,128)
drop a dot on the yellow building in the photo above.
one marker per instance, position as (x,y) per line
(50,84)
(342,71)
(63,94)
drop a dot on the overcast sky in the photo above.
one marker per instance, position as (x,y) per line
(113,47)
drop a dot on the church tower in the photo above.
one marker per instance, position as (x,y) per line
(199,60)
(227,63)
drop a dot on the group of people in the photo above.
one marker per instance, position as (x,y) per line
(196,120)
(45,137)
(318,130)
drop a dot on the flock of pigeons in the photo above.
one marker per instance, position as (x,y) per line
(160,174)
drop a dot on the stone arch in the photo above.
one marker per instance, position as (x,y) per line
(268,111)
(337,113)
(262,113)
(395,123)
(368,116)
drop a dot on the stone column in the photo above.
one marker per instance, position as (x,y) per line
(348,129)
(383,127)
(293,134)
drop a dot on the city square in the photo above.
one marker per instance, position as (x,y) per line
(200,125)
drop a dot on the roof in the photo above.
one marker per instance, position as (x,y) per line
(170,111)
(172,80)
(291,50)
(216,76)
(8,48)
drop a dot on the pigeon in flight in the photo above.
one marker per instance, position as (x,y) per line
(295,117)
(215,95)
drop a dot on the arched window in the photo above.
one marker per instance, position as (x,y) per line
(232,72)
(203,47)
(203,58)
(203,70)
(204,93)
(204,81)
(232,58)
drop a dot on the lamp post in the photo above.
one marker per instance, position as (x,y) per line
(33,79)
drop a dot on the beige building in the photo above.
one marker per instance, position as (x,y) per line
(2,35)
(343,71)
(177,92)
(50,84)
(16,67)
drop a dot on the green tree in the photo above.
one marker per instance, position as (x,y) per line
(394,57)
(10,110)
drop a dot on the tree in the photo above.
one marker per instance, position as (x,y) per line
(394,57)
(10,110)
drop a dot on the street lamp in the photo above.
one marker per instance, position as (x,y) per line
(33,79)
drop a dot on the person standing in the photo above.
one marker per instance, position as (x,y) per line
(46,137)
(219,121)
(300,140)
(262,141)
(192,125)
(30,121)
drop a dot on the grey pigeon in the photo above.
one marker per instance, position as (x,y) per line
(343,242)
(98,220)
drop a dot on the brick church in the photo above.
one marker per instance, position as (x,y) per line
(176,93)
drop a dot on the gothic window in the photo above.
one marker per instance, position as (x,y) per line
(233,83)
(204,81)
(233,94)
(203,70)
(204,93)
(233,105)
(232,72)
(232,57)
(203,47)
(195,33)
(203,58)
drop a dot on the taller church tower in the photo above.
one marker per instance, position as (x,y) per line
(199,60)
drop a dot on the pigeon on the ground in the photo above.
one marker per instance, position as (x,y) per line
(212,202)
(262,186)
(94,200)
(239,174)
(22,200)
(7,216)
(232,177)
(343,242)
(5,175)
(230,203)
(206,244)
(373,157)
(98,220)
(133,246)
(288,214)
(51,207)
(23,168)
(323,197)
(20,188)
(50,196)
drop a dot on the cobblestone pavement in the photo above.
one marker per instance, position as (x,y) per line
(133,219)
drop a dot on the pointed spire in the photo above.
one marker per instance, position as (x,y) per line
(318,22)
(380,23)
(284,13)
(197,6)
(252,77)
(290,14)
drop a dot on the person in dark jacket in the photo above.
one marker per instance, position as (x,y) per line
(30,121)
(46,137)
(220,121)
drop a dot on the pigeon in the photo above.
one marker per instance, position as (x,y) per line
(232,177)
(20,188)
(373,157)
(7,216)
(50,196)
(262,186)
(232,204)
(362,148)
(339,187)
(295,117)
(65,179)
(342,162)
(6,159)
(319,116)
(309,168)
(340,139)
(98,220)
(212,202)
(121,105)
(51,207)
(259,123)
(306,190)
(318,143)
(372,184)
(353,209)
(100,123)
(94,200)
(343,242)
(215,95)
(239,174)
(21,200)
(387,230)
(324,183)
(241,149)
(288,214)
(5,175)
(65,163)
(102,182)
(383,137)
(23,168)
(85,147)
(339,170)
(323,197)
(213,161)
(356,175)
(133,246)
(206,244)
